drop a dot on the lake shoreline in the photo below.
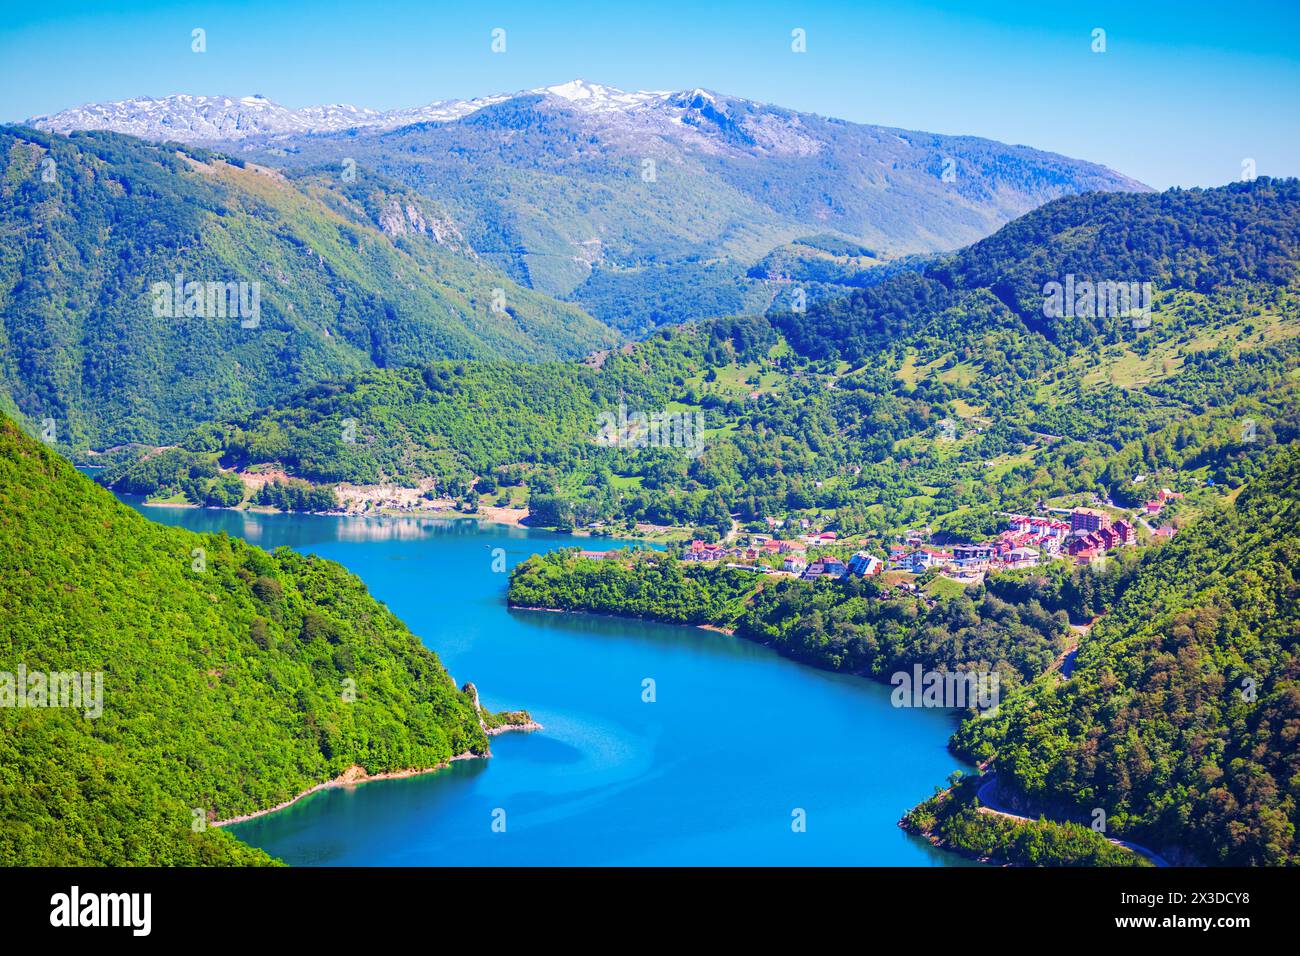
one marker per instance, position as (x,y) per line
(984,800)
(352,777)
(356,775)
(528,727)
(728,631)
(438,577)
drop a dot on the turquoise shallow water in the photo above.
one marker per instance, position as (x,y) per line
(710,773)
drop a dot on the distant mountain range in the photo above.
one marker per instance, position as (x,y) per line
(643,207)
(217,119)
(534,226)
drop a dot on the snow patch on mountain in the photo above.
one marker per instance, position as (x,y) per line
(593,97)
(209,119)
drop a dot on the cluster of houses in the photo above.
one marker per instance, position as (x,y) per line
(793,554)
(761,548)
(1094,533)
(1022,545)
(1027,540)
(860,564)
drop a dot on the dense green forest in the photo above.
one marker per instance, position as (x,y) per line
(233,679)
(942,401)
(1181,716)
(351,273)
(856,625)
(1196,240)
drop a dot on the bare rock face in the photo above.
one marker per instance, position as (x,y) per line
(399,218)
(397,221)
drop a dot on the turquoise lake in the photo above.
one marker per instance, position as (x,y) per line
(711,773)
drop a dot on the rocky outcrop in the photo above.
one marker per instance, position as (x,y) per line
(502,722)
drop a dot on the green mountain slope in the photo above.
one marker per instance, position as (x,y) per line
(233,679)
(350,275)
(857,626)
(562,197)
(913,402)
(1182,716)
(1197,241)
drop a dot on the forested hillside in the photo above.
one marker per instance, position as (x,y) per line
(232,679)
(350,273)
(1181,719)
(913,402)
(856,626)
(1194,241)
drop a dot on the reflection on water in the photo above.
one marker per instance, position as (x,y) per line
(273,529)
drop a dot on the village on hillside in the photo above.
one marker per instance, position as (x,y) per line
(1082,535)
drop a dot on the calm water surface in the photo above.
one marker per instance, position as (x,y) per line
(708,774)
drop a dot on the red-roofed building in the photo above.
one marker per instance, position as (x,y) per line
(699,551)
(1088,519)
(1161,499)
(1093,543)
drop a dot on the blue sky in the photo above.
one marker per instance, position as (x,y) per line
(1183,94)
